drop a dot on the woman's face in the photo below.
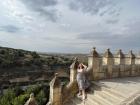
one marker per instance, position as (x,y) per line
(80,66)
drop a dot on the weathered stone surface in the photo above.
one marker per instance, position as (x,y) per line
(55,91)
(118,65)
(108,54)
(118,91)
(31,100)
(73,70)
(94,53)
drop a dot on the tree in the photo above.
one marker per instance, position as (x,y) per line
(6,63)
(41,98)
(37,62)
(2,51)
(35,55)
(20,53)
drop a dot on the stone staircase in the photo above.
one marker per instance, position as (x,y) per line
(101,94)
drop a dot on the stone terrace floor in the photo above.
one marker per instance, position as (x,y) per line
(117,91)
(127,85)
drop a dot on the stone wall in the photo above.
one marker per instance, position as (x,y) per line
(60,94)
(111,65)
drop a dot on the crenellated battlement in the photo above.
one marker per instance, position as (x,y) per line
(110,65)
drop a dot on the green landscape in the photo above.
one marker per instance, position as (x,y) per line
(17,96)
(16,64)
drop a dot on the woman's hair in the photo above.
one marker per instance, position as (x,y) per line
(81,66)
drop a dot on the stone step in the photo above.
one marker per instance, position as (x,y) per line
(113,96)
(114,92)
(101,95)
(76,101)
(124,90)
(107,97)
(90,101)
(98,99)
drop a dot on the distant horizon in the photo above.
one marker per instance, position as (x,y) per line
(99,51)
(70,26)
(43,52)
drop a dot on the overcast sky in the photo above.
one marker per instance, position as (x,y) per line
(70,26)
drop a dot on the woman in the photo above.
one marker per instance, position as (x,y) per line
(81,80)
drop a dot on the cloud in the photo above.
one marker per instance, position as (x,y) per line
(95,35)
(126,39)
(10,28)
(92,6)
(112,21)
(44,8)
(83,24)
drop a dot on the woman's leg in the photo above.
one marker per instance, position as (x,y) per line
(80,91)
(83,94)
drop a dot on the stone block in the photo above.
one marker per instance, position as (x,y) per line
(122,68)
(126,73)
(134,73)
(115,74)
(99,75)
(122,74)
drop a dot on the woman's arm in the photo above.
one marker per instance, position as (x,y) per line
(84,66)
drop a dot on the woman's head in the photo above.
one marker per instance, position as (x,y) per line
(80,66)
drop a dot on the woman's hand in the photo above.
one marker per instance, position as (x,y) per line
(84,65)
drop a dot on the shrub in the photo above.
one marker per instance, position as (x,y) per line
(35,55)
(33,89)
(41,98)
(37,62)
(6,63)
(20,100)
(18,91)
(8,97)
(20,53)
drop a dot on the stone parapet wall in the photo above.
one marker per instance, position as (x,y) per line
(60,94)
(69,91)
(111,65)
